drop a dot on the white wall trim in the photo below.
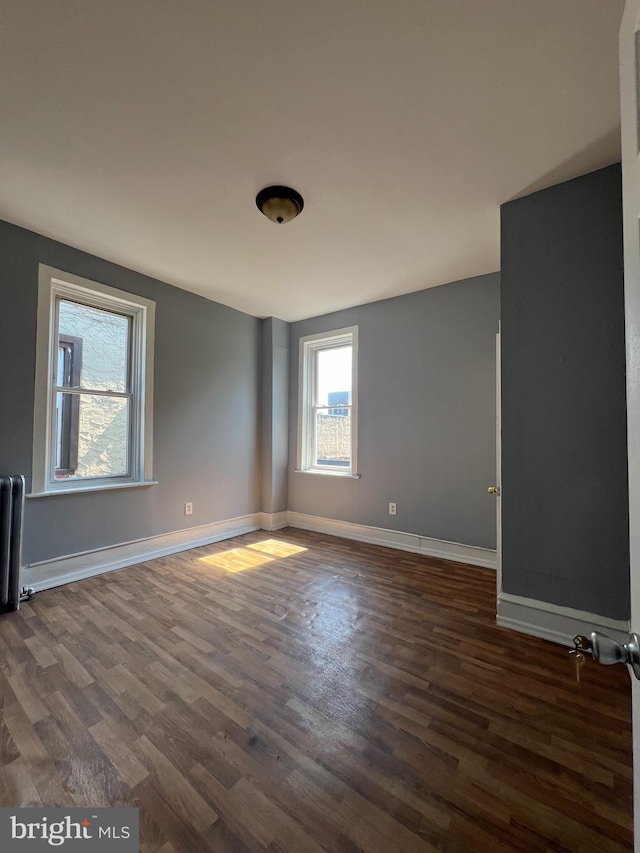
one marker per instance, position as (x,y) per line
(75,567)
(274,520)
(395,539)
(553,622)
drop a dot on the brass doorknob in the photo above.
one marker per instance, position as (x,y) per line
(494,490)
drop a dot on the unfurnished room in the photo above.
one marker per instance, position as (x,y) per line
(319,426)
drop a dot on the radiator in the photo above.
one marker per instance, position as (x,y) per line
(11,514)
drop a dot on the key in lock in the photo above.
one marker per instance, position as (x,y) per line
(578,660)
(576,654)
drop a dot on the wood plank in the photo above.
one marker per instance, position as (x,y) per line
(176,789)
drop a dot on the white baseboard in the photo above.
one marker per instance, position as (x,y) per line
(75,567)
(274,520)
(395,539)
(62,570)
(553,622)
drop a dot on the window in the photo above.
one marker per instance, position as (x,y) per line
(327,394)
(94,377)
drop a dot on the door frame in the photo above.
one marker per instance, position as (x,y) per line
(498,483)
(629,54)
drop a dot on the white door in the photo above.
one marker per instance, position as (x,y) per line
(630,116)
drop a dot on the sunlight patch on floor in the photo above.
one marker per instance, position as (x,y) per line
(236,560)
(276,548)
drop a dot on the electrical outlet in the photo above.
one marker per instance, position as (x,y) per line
(188,508)
(393,509)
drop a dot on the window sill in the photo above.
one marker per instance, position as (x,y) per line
(83,489)
(338,474)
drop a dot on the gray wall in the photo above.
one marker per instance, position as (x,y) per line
(206,407)
(426,415)
(275,411)
(564,467)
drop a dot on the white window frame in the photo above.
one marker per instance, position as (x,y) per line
(54,284)
(309,346)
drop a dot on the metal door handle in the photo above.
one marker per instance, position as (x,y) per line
(494,490)
(605,650)
(608,651)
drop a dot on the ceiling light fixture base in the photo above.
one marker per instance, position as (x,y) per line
(279,204)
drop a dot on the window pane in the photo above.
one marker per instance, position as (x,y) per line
(104,337)
(333,439)
(62,373)
(333,377)
(62,433)
(94,435)
(66,449)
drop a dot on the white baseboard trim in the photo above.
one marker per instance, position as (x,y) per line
(75,567)
(62,570)
(395,539)
(274,520)
(553,622)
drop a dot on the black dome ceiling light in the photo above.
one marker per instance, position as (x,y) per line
(279,204)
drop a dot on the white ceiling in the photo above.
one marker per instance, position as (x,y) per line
(141,131)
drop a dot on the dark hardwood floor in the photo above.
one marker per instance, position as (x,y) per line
(328,696)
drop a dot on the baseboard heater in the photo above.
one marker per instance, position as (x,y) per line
(11,523)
